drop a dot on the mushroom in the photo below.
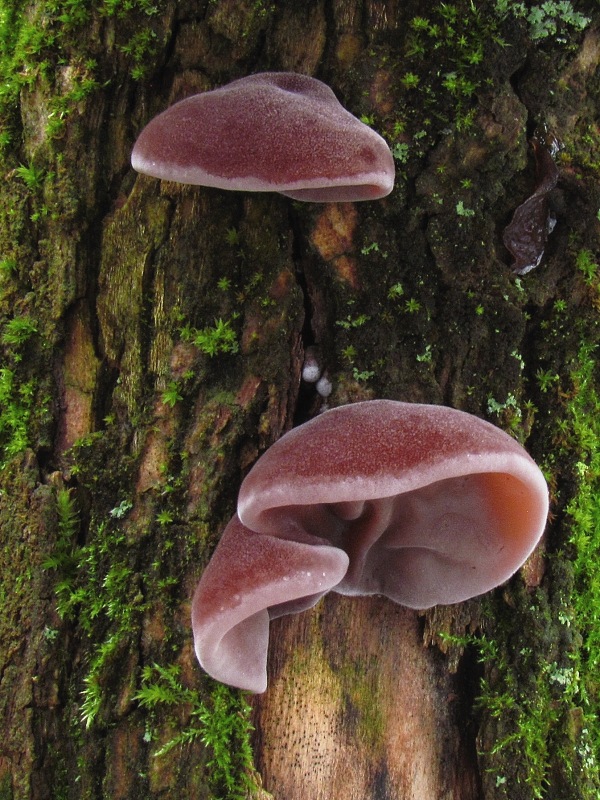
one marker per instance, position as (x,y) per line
(270,132)
(311,368)
(324,386)
(526,235)
(423,504)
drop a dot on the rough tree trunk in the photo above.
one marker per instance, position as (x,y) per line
(128,418)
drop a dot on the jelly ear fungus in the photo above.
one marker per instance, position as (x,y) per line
(423,504)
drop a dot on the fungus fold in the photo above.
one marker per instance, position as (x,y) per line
(270,132)
(423,504)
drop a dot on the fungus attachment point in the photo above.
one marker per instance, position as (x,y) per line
(422,504)
(271,132)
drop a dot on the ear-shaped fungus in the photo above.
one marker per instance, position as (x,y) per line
(423,504)
(270,132)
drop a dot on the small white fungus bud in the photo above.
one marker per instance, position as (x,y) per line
(311,370)
(324,386)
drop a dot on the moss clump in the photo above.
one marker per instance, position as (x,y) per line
(583,516)
(219,719)
(540,693)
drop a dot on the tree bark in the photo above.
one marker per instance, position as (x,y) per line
(127,423)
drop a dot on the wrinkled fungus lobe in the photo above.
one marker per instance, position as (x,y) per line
(271,132)
(422,504)
(526,236)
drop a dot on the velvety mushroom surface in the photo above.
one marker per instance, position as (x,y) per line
(423,504)
(273,131)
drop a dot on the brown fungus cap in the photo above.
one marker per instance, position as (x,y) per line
(423,504)
(270,132)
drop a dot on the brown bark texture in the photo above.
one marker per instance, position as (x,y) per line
(151,343)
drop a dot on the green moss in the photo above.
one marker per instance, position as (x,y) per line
(23,401)
(586,264)
(96,586)
(553,18)
(540,693)
(214,339)
(220,719)
(519,699)
(362,701)
(584,524)
(444,63)
(16,400)
(35,41)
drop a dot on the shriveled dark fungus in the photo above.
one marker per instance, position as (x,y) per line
(527,234)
